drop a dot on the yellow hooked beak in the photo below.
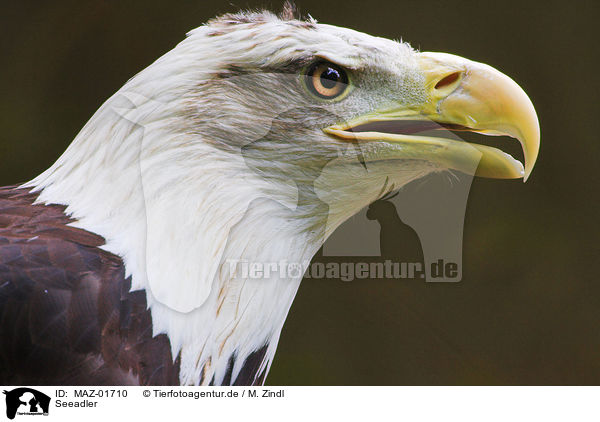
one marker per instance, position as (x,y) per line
(461,95)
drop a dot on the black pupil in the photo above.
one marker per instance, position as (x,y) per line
(330,77)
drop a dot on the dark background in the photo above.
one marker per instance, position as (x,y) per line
(528,308)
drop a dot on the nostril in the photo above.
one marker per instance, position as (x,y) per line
(447,80)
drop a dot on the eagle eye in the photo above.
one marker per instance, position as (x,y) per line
(326,80)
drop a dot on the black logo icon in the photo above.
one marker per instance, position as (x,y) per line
(26,401)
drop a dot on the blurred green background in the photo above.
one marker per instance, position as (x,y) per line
(528,308)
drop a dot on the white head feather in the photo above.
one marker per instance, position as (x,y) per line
(160,172)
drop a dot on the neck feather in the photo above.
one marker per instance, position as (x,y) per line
(178,226)
(179,211)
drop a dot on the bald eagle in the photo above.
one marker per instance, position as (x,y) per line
(251,140)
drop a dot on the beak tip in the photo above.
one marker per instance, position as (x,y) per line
(492,99)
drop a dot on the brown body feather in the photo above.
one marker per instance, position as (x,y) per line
(66,313)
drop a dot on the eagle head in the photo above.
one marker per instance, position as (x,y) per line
(253,139)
